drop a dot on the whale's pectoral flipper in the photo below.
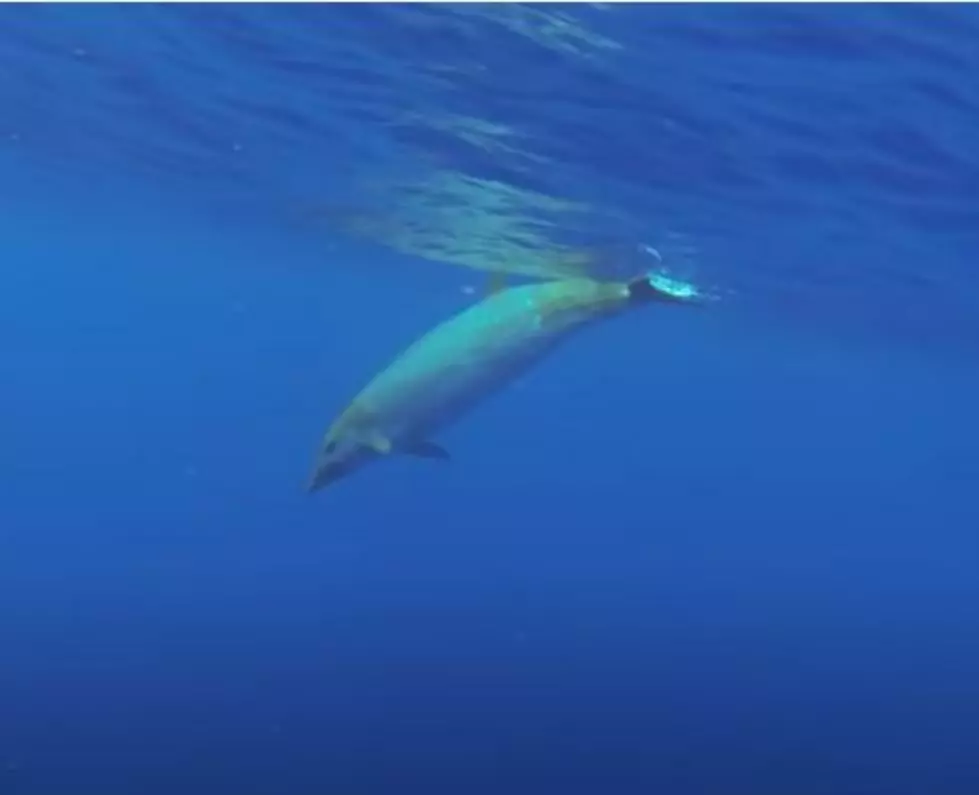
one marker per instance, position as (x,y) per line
(424,449)
(379,443)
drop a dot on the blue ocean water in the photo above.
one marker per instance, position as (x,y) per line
(727,551)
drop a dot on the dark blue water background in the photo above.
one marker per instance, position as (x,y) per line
(727,552)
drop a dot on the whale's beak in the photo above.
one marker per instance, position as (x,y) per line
(325,474)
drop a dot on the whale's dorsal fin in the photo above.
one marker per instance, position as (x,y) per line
(496,282)
(426,449)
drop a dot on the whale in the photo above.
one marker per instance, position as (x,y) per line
(460,363)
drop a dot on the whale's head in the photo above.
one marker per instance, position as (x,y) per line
(342,452)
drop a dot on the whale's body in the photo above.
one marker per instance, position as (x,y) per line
(458,364)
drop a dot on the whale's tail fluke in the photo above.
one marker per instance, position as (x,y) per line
(657,287)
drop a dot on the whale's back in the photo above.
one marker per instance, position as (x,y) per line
(475,353)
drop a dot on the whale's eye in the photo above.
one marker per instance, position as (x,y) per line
(331,447)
